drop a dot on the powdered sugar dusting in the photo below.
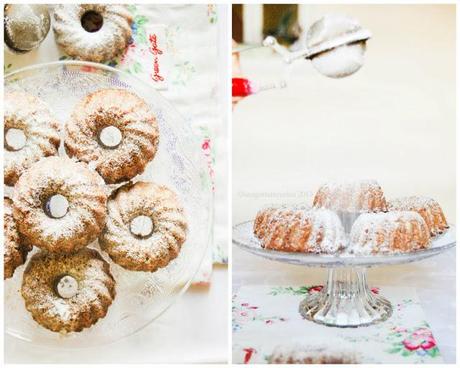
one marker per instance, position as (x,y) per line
(82,188)
(61,309)
(341,61)
(161,206)
(100,46)
(41,130)
(121,110)
(351,196)
(395,231)
(300,230)
(94,289)
(25,19)
(426,207)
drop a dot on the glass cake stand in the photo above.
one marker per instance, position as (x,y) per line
(346,300)
(179,164)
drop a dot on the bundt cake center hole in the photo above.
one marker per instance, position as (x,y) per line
(141,226)
(56,206)
(66,286)
(92,21)
(15,139)
(110,137)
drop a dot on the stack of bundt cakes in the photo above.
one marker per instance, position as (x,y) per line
(62,205)
(378,227)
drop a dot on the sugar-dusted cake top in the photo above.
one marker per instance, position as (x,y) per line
(384,232)
(427,207)
(351,196)
(296,229)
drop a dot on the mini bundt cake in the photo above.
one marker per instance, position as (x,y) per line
(351,196)
(15,250)
(301,354)
(428,208)
(114,129)
(92,32)
(390,232)
(67,293)
(60,205)
(31,133)
(145,228)
(300,230)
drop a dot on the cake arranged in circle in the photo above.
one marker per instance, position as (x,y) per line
(426,207)
(15,250)
(60,205)
(390,232)
(92,32)
(115,130)
(300,230)
(146,227)
(31,133)
(351,196)
(68,292)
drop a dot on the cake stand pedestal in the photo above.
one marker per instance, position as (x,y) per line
(346,300)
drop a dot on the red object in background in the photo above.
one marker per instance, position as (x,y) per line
(242,87)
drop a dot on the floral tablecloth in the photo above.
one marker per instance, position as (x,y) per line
(266,317)
(176,49)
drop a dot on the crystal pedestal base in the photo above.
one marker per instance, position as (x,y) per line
(346,301)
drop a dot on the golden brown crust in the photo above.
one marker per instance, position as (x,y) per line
(125,111)
(15,249)
(96,290)
(428,208)
(84,190)
(35,120)
(299,230)
(170,227)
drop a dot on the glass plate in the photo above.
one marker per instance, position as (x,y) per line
(179,164)
(244,237)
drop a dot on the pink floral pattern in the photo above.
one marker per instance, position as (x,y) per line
(243,313)
(304,290)
(418,341)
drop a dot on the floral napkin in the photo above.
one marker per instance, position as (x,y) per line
(266,317)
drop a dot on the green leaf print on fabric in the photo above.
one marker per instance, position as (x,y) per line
(416,341)
(302,290)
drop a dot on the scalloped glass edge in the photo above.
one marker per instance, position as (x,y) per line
(9,78)
(252,245)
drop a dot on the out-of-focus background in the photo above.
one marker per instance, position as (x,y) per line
(393,120)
